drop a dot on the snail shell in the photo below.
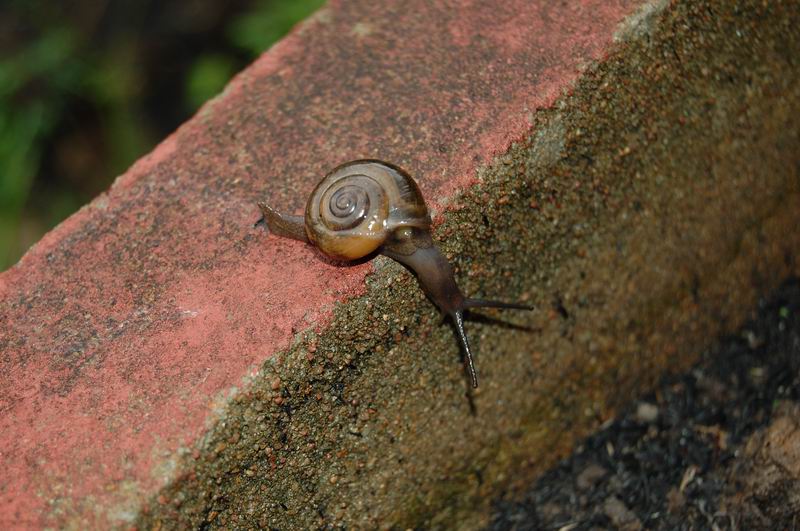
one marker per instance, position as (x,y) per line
(360,205)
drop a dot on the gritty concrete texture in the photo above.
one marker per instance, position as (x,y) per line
(629,167)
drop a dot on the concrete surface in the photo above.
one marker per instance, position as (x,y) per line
(626,166)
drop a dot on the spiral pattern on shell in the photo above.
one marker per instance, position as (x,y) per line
(358,205)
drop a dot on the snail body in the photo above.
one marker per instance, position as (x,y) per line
(369,206)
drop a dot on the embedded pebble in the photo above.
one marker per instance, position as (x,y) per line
(646,413)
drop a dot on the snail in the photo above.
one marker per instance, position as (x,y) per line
(369,206)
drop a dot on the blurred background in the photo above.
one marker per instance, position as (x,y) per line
(89,86)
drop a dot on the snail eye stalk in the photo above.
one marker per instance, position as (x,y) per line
(458,320)
(483,303)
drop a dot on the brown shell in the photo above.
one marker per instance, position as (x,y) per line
(358,205)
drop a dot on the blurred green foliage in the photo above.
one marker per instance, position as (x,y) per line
(25,123)
(268,21)
(85,92)
(208,75)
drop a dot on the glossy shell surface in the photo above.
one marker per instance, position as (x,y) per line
(359,205)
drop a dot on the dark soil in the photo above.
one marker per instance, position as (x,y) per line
(715,448)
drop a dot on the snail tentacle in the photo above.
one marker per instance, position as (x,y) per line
(458,320)
(285,225)
(484,303)
(435,275)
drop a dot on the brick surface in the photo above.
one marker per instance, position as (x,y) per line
(127,331)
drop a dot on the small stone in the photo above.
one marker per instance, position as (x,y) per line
(590,476)
(758,376)
(551,511)
(753,341)
(646,412)
(688,476)
(675,501)
(622,517)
